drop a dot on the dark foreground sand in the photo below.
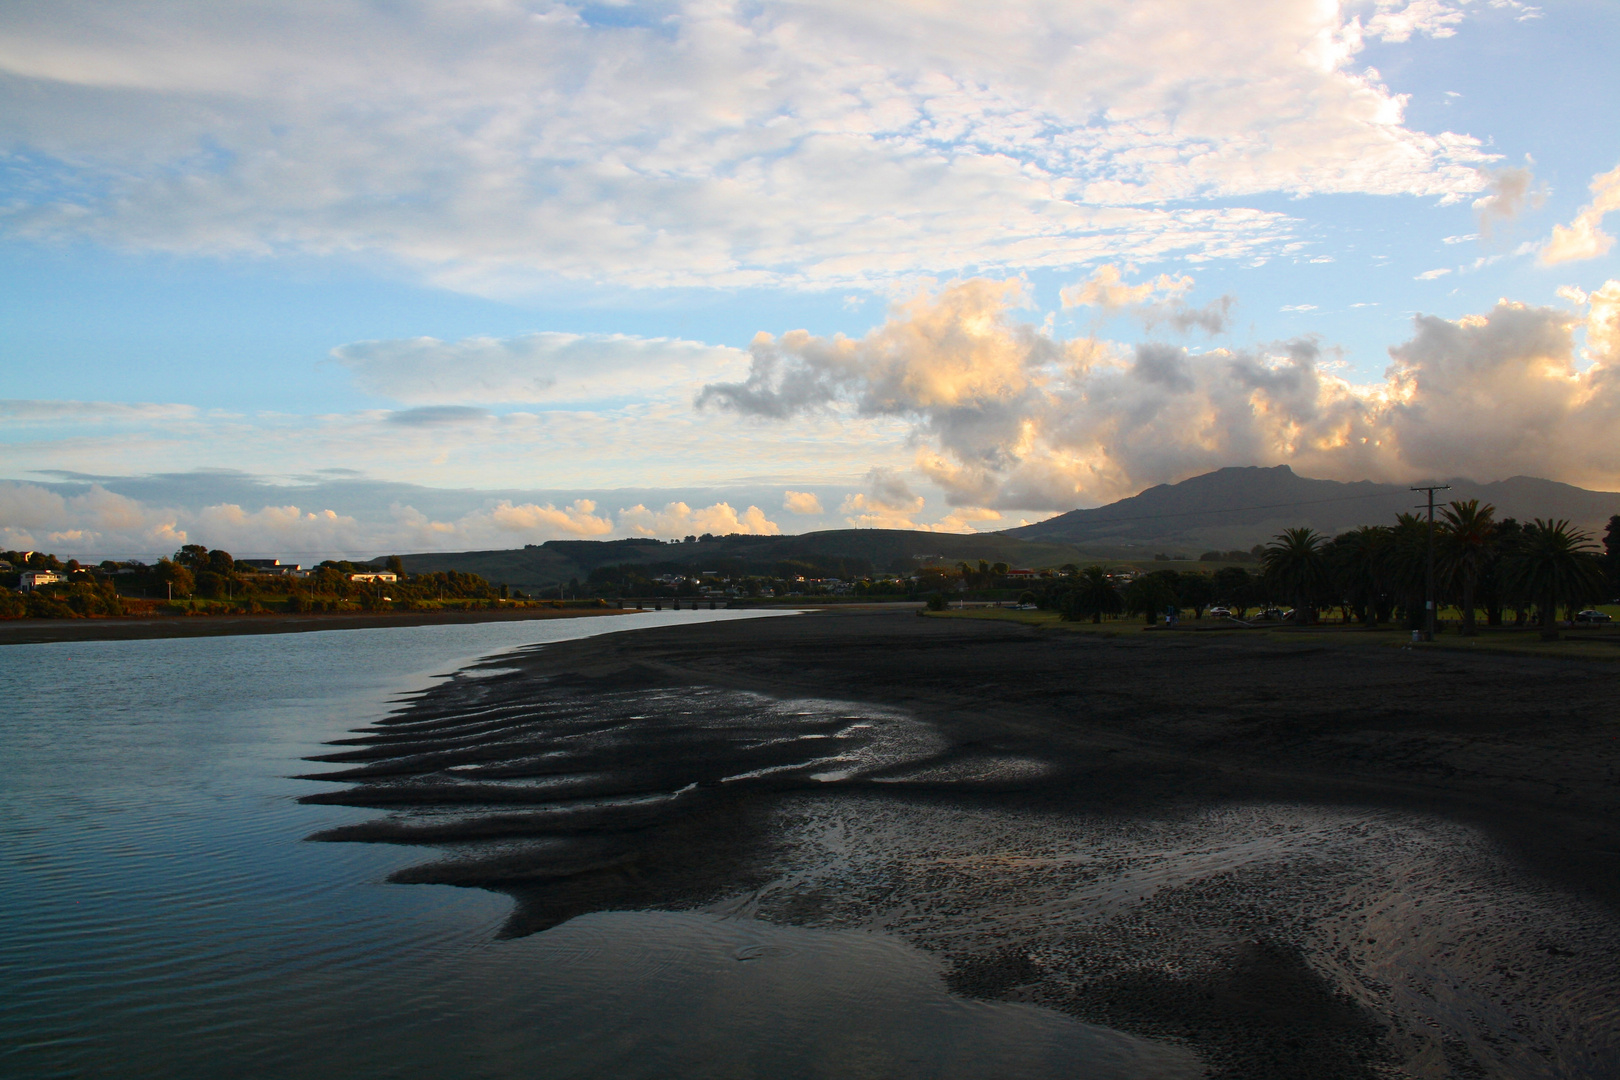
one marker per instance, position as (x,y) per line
(1304,860)
(36,631)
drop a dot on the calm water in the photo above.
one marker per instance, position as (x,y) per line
(160,914)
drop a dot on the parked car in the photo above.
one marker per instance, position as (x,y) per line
(1592,615)
(1220,613)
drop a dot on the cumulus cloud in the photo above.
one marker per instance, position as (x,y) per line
(889,503)
(1008,416)
(541,367)
(801,502)
(679,519)
(498,147)
(1582,238)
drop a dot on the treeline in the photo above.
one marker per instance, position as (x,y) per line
(1379,574)
(199,579)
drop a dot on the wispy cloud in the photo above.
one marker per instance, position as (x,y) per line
(533,368)
(490,146)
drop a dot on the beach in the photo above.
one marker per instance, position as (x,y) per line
(1310,858)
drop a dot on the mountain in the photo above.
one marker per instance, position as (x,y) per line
(1239,507)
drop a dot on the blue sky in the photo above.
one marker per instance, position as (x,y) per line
(361,277)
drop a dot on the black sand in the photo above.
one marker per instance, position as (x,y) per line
(1308,859)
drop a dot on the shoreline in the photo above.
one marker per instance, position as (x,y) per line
(1309,825)
(137,628)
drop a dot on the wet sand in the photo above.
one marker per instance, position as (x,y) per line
(1297,859)
(36,631)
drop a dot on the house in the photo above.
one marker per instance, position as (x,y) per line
(29,580)
(1022,575)
(272,566)
(380,575)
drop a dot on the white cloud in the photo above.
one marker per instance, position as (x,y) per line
(1106,288)
(497,147)
(889,503)
(1009,417)
(1582,238)
(1297,307)
(101,522)
(801,502)
(541,367)
(679,519)
(1462,239)
(1430,275)
(1398,20)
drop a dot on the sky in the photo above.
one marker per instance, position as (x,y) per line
(346,278)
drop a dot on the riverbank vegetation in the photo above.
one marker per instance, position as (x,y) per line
(200,581)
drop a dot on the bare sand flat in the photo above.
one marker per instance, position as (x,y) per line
(1296,859)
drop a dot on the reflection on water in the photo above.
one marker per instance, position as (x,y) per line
(160,914)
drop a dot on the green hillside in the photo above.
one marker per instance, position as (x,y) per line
(838,553)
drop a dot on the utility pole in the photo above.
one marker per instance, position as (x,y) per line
(1428,586)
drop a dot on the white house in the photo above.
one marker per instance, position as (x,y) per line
(29,580)
(380,575)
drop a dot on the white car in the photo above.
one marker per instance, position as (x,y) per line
(1220,613)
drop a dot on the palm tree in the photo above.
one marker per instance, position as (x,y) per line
(1402,565)
(1357,561)
(1296,564)
(1556,564)
(1466,540)
(1094,594)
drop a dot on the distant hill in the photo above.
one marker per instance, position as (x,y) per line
(1238,507)
(836,553)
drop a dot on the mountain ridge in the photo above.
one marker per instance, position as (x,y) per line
(1233,505)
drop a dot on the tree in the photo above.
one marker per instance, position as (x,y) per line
(1148,595)
(1465,542)
(1234,587)
(220,562)
(192,556)
(396,565)
(1357,560)
(1403,566)
(176,575)
(1556,564)
(1094,595)
(1296,565)
(1196,591)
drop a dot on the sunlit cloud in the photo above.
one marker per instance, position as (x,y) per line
(1582,238)
(1009,416)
